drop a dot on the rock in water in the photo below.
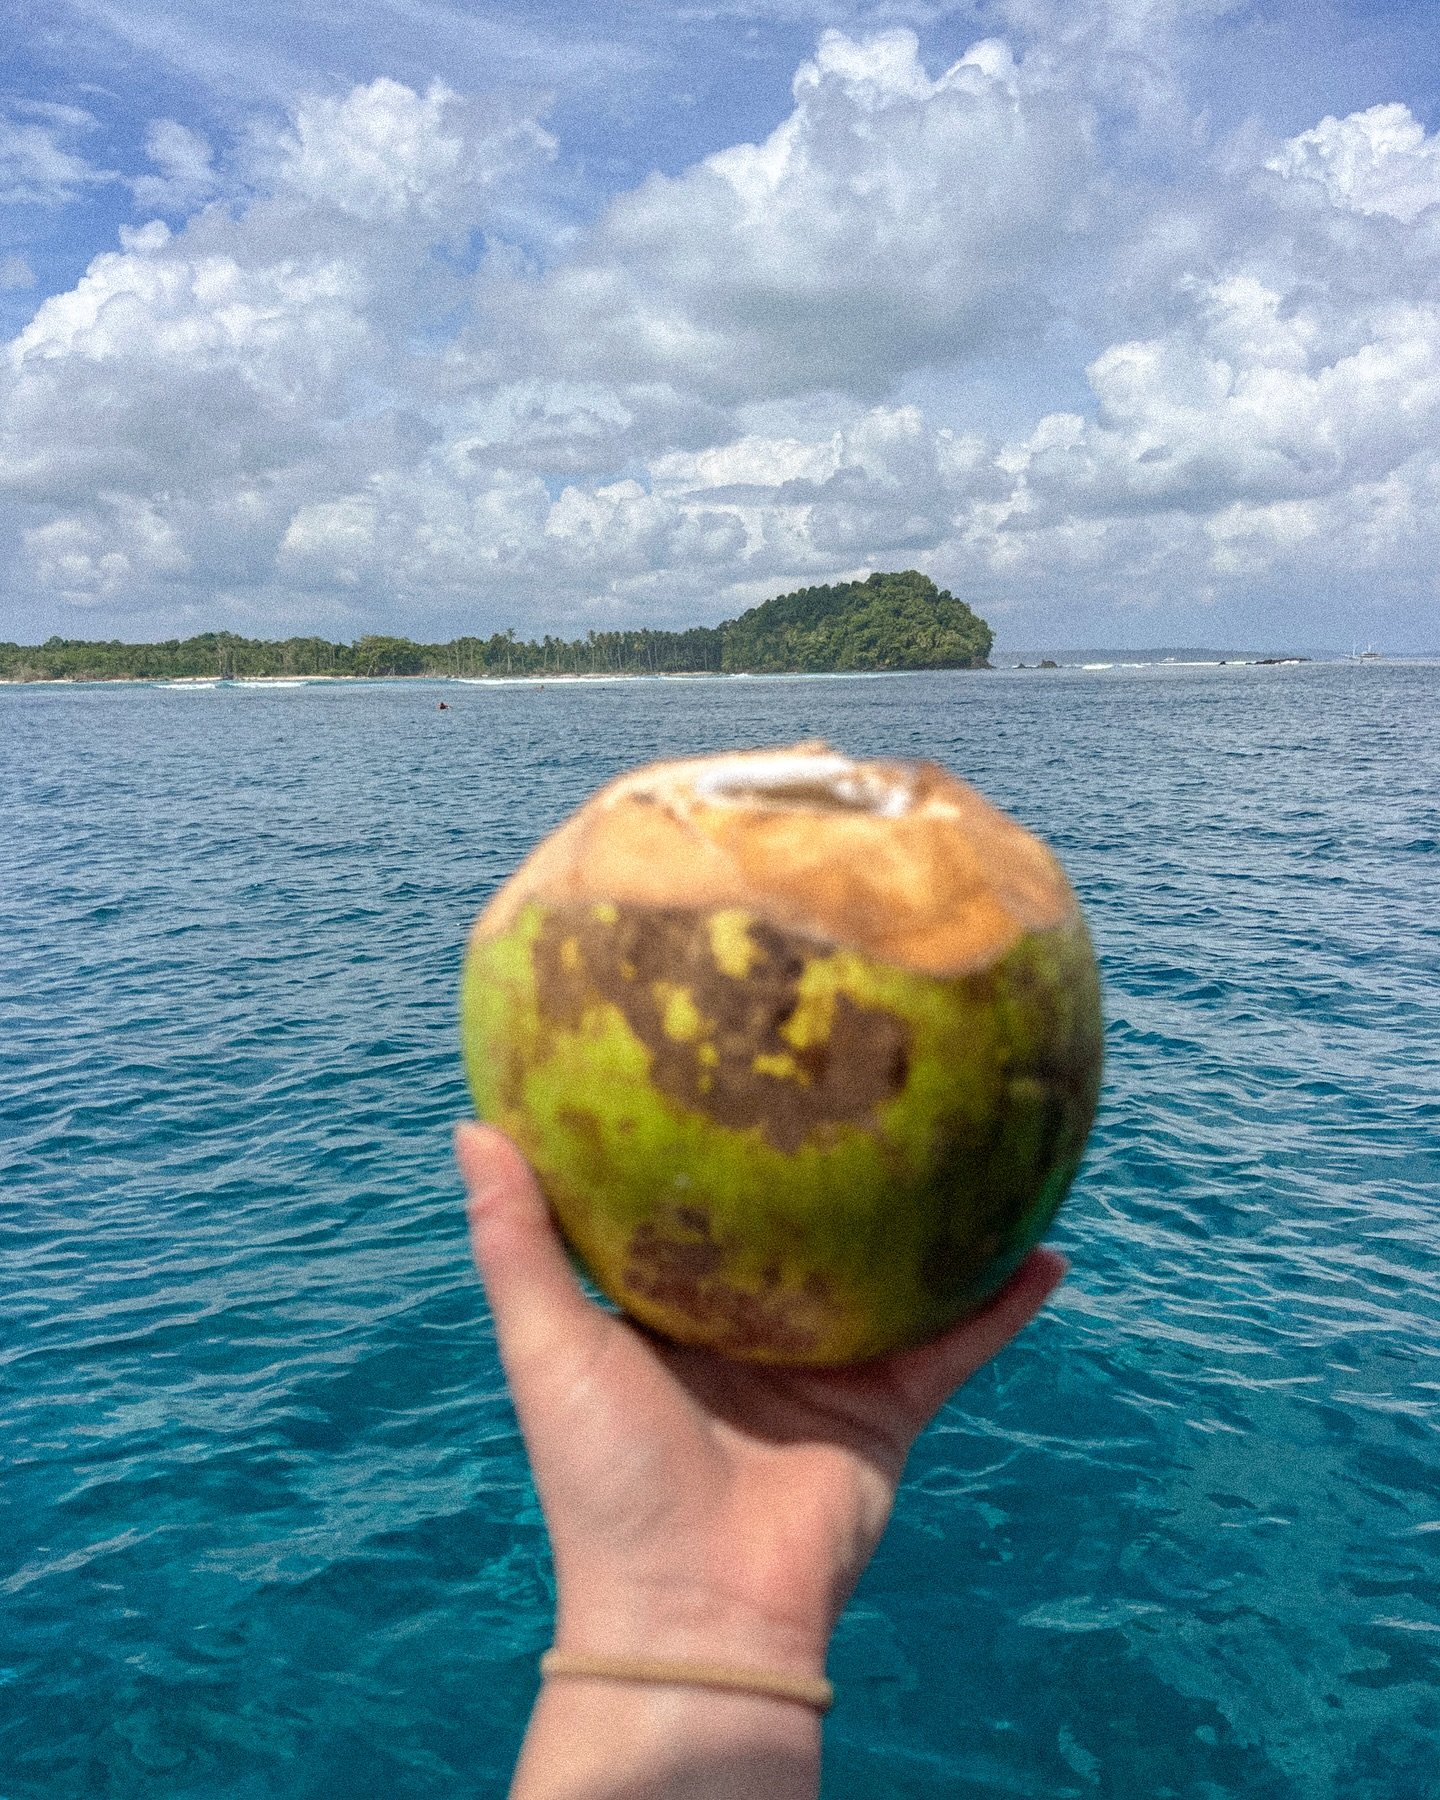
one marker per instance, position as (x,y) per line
(804,1050)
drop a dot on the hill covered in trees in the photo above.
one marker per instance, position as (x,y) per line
(888,622)
(899,621)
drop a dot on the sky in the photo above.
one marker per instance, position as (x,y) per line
(1119,318)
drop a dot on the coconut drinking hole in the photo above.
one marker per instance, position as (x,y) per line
(807,781)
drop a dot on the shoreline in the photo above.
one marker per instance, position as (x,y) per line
(1135,662)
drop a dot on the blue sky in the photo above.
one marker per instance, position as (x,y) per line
(1121,318)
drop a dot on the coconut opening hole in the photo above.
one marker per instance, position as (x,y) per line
(807,783)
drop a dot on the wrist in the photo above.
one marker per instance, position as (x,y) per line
(592,1739)
(686,1623)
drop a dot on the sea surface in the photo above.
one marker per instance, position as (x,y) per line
(265,1524)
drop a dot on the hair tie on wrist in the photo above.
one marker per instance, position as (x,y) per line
(805,1690)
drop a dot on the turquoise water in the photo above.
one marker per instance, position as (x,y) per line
(265,1528)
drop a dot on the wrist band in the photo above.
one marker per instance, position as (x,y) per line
(806,1690)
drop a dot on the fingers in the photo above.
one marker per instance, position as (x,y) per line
(928,1375)
(541,1316)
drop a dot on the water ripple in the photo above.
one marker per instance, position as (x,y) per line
(267,1521)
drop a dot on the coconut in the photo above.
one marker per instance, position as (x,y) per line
(803,1049)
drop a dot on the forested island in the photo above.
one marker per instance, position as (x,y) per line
(894,621)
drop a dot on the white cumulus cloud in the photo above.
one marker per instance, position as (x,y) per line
(1377,161)
(386,156)
(344,381)
(223,377)
(892,220)
(92,560)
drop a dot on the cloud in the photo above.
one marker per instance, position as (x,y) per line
(387,156)
(90,561)
(1126,54)
(890,221)
(1279,437)
(187,175)
(1243,403)
(353,380)
(178,365)
(1375,162)
(1307,366)
(223,377)
(274,383)
(40,164)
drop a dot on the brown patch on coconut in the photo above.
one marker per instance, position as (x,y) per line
(716,1039)
(676,1263)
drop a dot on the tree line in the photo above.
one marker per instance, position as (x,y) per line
(889,621)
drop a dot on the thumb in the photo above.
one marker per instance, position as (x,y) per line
(541,1315)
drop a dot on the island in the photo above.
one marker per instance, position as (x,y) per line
(885,622)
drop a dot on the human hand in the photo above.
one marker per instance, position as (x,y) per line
(700,1508)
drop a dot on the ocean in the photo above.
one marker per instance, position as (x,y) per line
(265,1524)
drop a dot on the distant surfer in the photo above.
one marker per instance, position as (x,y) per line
(444,706)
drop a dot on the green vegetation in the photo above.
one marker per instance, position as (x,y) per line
(887,622)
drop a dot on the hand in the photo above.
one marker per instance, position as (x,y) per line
(698,1507)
